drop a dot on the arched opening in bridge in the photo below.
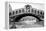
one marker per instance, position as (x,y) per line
(24,15)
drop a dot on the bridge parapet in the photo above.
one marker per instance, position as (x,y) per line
(23,11)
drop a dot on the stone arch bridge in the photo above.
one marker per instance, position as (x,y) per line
(17,14)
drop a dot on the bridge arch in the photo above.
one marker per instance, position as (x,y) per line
(26,14)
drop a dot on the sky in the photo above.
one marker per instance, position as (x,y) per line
(22,5)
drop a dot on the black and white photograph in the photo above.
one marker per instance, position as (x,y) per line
(22,15)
